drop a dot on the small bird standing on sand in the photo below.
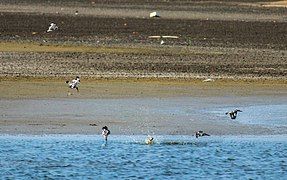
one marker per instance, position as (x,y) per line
(52,27)
(105,132)
(233,114)
(200,134)
(74,84)
(149,140)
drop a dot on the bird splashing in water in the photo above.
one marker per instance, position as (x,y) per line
(149,140)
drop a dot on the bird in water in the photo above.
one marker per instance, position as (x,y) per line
(105,132)
(149,140)
(200,134)
(74,84)
(233,114)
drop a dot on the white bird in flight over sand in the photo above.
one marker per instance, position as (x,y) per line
(52,27)
(74,84)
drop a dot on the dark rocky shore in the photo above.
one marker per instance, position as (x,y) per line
(220,47)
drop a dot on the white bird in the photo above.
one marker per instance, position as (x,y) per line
(74,84)
(52,27)
(233,114)
(149,140)
(105,132)
(154,14)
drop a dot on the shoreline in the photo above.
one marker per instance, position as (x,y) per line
(226,54)
(54,87)
(119,104)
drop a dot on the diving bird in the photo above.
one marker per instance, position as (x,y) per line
(74,84)
(233,114)
(52,27)
(149,140)
(200,134)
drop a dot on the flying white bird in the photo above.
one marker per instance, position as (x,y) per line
(52,27)
(74,84)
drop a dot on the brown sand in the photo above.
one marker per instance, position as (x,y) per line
(31,88)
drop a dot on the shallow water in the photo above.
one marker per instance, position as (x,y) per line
(172,157)
(263,111)
(261,114)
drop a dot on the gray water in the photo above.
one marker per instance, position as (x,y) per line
(268,114)
(262,111)
(128,157)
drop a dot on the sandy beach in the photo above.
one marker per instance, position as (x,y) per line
(128,107)
(239,45)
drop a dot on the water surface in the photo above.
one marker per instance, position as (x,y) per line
(172,157)
(263,111)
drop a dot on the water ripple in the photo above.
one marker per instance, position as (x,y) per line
(171,157)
